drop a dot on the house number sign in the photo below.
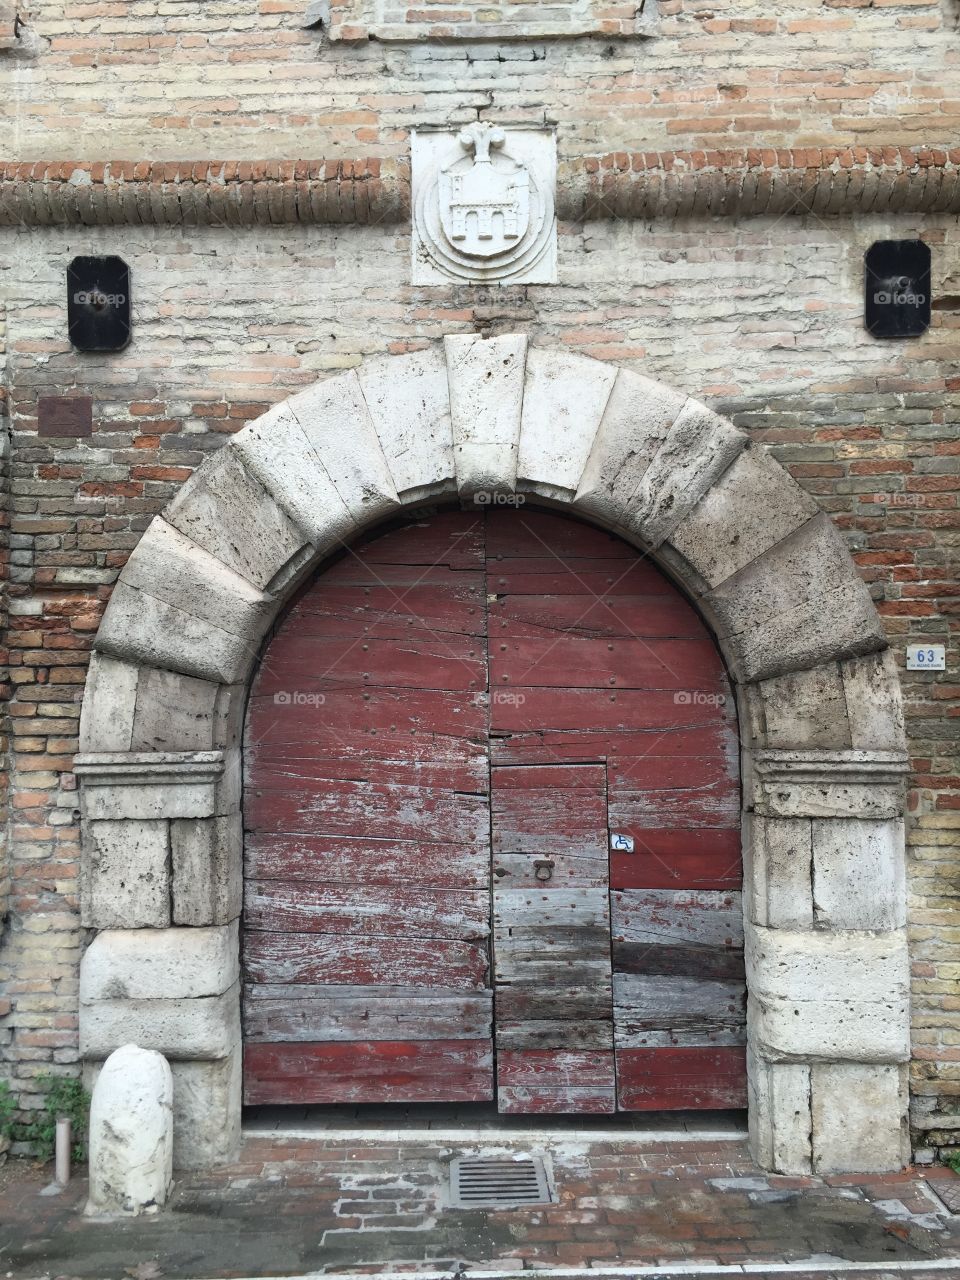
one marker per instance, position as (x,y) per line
(926,657)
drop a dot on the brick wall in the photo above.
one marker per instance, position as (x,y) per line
(485,20)
(761,317)
(121,80)
(763,321)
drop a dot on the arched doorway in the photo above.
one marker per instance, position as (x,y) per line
(492,830)
(821,718)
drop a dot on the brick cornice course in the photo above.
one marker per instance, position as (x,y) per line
(826,181)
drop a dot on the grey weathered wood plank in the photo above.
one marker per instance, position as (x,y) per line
(362,909)
(668,917)
(664,1003)
(295,1018)
(536,1033)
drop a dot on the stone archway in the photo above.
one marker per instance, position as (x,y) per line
(823,747)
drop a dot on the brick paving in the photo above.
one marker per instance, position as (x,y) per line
(293,1205)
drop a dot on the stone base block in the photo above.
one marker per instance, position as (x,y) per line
(206,1028)
(779,1115)
(206,1112)
(859,1118)
(159,964)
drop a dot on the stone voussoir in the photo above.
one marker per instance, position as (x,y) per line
(486,378)
(800,604)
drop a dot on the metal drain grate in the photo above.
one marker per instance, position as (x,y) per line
(498,1182)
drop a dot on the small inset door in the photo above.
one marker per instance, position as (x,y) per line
(553,993)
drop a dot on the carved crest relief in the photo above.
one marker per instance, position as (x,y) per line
(483,205)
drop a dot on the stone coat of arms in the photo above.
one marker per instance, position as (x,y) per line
(482,211)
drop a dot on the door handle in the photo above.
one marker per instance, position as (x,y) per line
(543,868)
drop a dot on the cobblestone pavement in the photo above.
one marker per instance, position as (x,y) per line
(294,1205)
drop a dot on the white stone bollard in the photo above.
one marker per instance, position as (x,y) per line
(131,1133)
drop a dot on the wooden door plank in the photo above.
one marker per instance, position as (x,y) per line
(284,775)
(654,663)
(705,858)
(679,1079)
(665,917)
(369,1071)
(423,720)
(365,959)
(555,1081)
(423,659)
(588,616)
(538,576)
(643,1003)
(555,1033)
(520,870)
(275,906)
(452,602)
(686,810)
(297,859)
(365,809)
(687,960)
(516,534)
(618,713)
(287,1015)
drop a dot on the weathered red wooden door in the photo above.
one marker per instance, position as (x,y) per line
(520,676)
(367,850)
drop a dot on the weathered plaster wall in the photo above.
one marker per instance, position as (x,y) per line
(762,320)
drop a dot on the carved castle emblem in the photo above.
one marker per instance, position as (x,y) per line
(483,209)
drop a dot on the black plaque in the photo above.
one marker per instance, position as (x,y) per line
(98,303)
(67,416)
(898,288)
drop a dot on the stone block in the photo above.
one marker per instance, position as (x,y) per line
(805,709)
(777,872)
(156,964)
(206,1028)
(874,702)
(177,608)
(635,423)
(227,512)
(801,604)
(818,997)
(126,875)
(778,1115)
(207,869)
(336,422)
(751,507)
(486,377)
(859,876)
(206,1111)
(408,399)
(275,449)
(698,448)
(131,1134)
(563,403)
(109,704)
(174,712)
(859,1118)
